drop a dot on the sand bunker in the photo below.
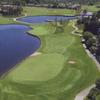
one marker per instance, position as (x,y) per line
(36,54)
(71,62)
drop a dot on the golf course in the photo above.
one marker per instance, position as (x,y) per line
(58,70)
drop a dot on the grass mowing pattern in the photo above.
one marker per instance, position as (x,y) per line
(39,68)
(66,83)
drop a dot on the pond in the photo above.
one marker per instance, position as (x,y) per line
(15,45)
(42,19)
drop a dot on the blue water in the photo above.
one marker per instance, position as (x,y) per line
(15,45)
(42,19)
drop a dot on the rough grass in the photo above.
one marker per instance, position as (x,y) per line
(43,29)
(45,11)
(5,20)
(65,82)
(90,8)
(98,97)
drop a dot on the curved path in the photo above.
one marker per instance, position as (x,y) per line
(15,19)
(84,93)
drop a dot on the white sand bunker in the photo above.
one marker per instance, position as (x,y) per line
(71,62)
(36,54)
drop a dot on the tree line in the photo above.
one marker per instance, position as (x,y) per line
(51,1)
(91,33)
(94,92)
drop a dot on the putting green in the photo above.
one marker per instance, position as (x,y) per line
(39,68)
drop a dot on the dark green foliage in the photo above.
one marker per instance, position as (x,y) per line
(90,2)
(90,42)
(92,33)
(87,35)
(94,92)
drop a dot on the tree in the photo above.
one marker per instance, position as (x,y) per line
(94,92)
(93,49)
(98,14)
(97,83)
(87,35)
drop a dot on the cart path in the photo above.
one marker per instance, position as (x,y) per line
(81,95)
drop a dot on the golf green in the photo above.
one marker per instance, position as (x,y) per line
(38,68)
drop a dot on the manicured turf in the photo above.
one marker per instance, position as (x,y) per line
(91,8)
(39,68)
(43,29)
(5,20)
(51,75)
(45,11)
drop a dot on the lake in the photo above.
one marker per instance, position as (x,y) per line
(42,19)
(15,45)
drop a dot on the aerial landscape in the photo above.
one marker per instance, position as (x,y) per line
(49,49)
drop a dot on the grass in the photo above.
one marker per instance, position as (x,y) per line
(5,20)
(90,8)
(41,68)
(45,11)
(50,76)
(98,97)
(43,29)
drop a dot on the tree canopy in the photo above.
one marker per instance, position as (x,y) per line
(48,1)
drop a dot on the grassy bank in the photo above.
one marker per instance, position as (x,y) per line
(45,11)
(90,8)
(5,20)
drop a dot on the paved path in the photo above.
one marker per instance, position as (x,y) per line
(15,19)
(75,30)
(85,92)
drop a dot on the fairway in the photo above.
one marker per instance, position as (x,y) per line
(45,11)
(4,20)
